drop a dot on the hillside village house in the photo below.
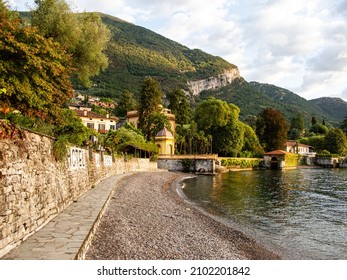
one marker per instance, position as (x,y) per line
(92,120)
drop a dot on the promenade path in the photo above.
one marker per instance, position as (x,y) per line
(67,236)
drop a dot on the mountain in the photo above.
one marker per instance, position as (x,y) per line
(334,107)
(135,52)
(293,102)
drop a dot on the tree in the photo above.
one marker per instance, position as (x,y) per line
(271,129)
(84,36)
(313,121)
(251,144)
(229,139)
(335,141)
(343,125)
(319,129)
(219,120)
(212,113)
(157,121)
(116,140)
(34,70)
(126,103)
(179,106)
(297,127)
(150,100)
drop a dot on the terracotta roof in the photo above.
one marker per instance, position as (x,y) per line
(90,114)
(276,152)
(290,143)
(294,143)
(164,133)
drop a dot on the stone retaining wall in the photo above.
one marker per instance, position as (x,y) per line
(188,164)
(34,187)
(328,162)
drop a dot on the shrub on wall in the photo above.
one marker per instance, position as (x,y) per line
(292,160)
(241,163)
(186,163)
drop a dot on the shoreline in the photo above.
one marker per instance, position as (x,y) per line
(147,218)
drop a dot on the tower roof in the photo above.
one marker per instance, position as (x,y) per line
(164,133)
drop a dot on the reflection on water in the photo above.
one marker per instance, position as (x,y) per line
(301,212)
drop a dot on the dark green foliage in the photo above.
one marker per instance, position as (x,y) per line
(313,121)
(116,141)
(343,125)
(186,163)
(317,142)
(297,127)
(126,102)
(251,146)
(157,121)
(334,109)
(319,129)
(179,105)
(271,129)
(189,140)
(335,141)
(151,98)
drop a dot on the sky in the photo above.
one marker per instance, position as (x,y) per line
(300,45)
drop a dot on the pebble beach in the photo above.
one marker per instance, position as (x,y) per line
(146,219)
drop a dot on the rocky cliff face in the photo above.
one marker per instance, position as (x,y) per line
(215,82)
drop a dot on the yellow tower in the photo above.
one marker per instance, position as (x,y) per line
(165,142)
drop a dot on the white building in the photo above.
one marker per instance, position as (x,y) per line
(298,148)
(97,122)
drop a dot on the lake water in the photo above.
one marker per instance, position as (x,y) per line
(300,213)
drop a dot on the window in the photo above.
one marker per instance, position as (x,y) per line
(102,128)
(90,125)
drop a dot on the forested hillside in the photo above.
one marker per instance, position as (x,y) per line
(333,107)
(135,52)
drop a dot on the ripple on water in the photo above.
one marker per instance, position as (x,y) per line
(303,212)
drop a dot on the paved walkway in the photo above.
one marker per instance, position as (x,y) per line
(67,236)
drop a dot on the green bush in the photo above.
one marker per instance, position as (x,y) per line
(242,163)
(60,148)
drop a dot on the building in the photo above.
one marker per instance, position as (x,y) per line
(78,106)
(165,141)
(95,121)
(295,147)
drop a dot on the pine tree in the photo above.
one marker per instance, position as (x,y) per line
(151,98)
